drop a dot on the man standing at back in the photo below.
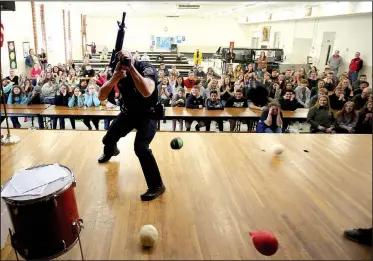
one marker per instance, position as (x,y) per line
(136,84)
(356,65)
(335,62)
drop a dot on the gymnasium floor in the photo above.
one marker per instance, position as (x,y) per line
(219,188)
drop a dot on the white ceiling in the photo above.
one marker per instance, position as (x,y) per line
(231,9)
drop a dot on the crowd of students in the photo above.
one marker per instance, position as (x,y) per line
(347,110)
(56,85)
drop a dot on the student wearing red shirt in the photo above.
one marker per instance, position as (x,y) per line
(190,82)
(35,72)
(356,65)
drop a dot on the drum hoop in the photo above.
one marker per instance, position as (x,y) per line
(55,255)
(45,198)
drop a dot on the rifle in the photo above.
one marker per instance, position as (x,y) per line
(119,46)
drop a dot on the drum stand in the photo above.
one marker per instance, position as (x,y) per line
(77,228)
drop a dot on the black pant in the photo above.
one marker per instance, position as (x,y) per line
(87,122)
(146,129)
(219,122)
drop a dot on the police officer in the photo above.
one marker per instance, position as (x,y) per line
(136,84)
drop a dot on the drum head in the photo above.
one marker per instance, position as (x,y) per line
(53,188)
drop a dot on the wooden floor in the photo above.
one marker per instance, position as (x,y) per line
(219,188)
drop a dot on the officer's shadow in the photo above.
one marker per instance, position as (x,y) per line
(111,175)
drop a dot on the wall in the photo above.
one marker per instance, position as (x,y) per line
(353,33)
(17,28)
(207,34)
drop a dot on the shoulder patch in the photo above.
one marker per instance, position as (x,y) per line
(148,71)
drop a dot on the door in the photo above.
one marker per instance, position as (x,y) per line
(276,41)
(326,49)
(254,42)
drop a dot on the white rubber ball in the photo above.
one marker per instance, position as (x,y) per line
(277,149)
(148,235)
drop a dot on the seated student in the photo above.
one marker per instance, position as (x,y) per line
(362,86)
(162,67)
(161,76)
(16,96)
(200,73)
(7,86)
(213,103)
(179,100)
(275,92)
(330,82)
(35,97)
(303,94)
(212,86)
(164,92)
(91,99)
(347,118)
(160,57)
(337,99)
(12,77)
(226,91)
(76,99)
(314,99)
(62,99)
(49,91)
(190,81)
(87,71)
(271,119)
(288,103)
(175,71)
(321,117)
(100,78)
(315,90)
(239,84)
(266,82)
(202,90)
(194,101)
(83,86)
(356,84)
(361,99)
(312,80)
(236,101)
(364,124)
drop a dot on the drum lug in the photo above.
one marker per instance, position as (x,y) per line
(64,245)
(77,225)
(55,200)
(74,183)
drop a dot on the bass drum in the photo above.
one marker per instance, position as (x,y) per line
(48,225)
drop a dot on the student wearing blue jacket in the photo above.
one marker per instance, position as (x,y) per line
(17,96)
(91,99)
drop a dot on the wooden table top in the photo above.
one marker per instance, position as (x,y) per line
(25,106)
(23,112)
(94,108)
(80,112)
(181,112)
(219,188)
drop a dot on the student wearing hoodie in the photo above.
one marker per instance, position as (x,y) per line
(17,96)
(91,99)
(35,97)
(178,100)
(337,99)
(62,99)
(213,103)
(194,101)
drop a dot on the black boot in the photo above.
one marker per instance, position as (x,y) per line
(151,194)
(361,236)
(105,158)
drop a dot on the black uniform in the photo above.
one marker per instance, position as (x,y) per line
(135,115)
